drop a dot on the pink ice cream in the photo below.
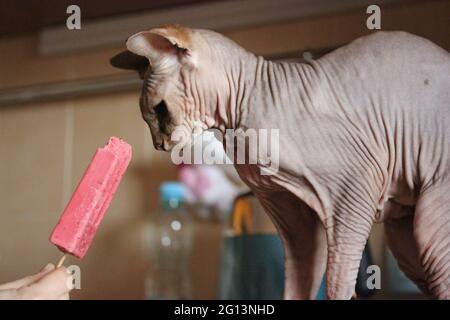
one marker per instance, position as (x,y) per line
(80,220)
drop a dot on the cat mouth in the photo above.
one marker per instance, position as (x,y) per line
(162,146)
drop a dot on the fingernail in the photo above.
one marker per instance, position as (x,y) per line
(48,267)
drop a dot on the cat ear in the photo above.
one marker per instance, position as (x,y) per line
(130,61)
(163,47)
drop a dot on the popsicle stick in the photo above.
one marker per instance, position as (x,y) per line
(61,261)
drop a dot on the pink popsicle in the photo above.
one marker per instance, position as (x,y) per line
(80,220)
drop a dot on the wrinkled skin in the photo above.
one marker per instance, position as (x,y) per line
(364,138)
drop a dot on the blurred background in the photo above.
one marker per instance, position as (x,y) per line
(60,100)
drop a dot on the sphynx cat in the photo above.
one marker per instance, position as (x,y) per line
(364,137)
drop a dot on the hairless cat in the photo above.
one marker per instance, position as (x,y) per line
(364,137)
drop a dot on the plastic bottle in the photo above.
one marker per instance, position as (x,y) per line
(171,246)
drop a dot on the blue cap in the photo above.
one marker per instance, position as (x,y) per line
(171,191)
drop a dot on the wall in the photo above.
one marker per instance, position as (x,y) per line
(22,66)
(44,148)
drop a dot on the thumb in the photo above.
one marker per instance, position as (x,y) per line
(53,285)
(28,279)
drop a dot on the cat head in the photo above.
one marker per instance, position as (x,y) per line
(184,77)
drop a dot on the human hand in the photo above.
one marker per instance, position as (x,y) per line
(48,284)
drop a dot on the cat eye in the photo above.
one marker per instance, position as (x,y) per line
(163,116)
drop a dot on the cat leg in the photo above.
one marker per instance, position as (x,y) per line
(432,234)
(400,240)
(304,243)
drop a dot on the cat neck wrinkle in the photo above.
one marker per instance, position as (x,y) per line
(241,76)
(265,87)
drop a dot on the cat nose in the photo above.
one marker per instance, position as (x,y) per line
(161,145)
(157,144)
